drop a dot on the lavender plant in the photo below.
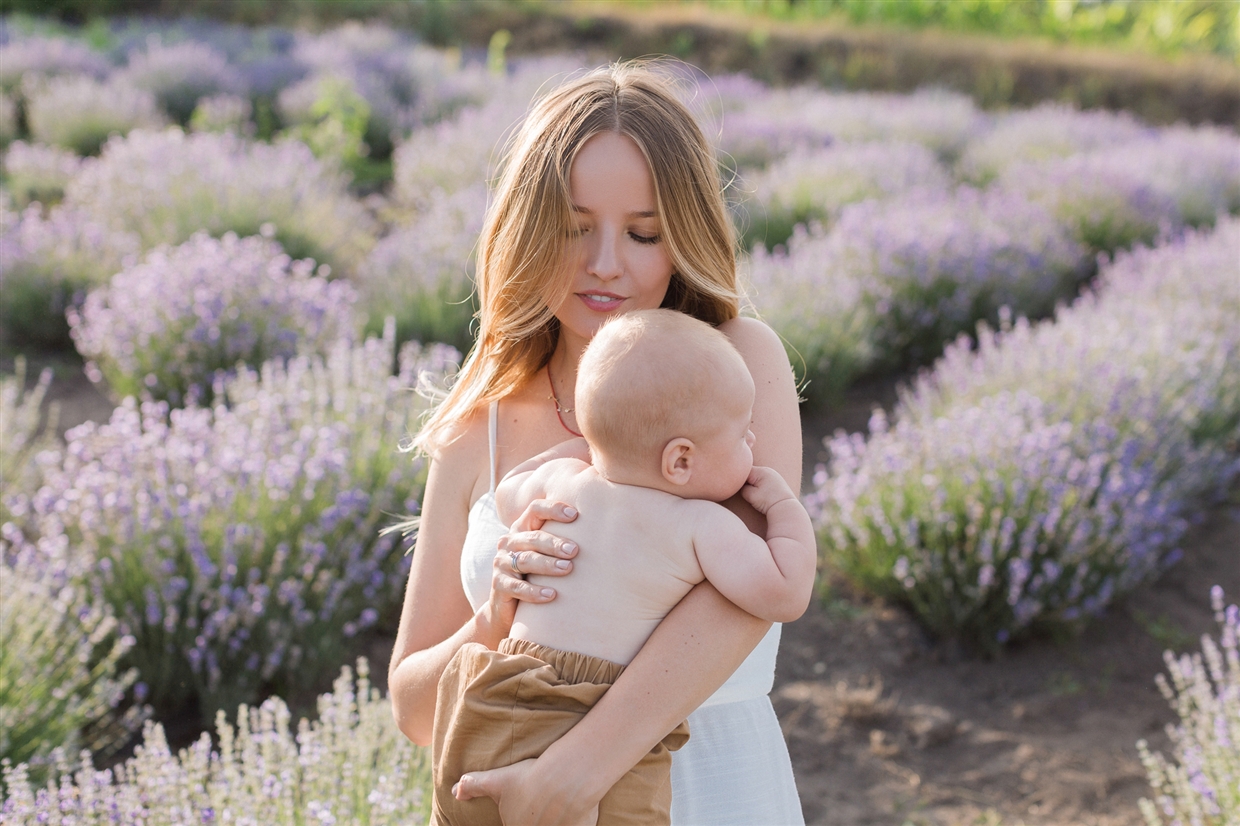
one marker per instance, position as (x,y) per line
(452,155)
(422,274)
(166,327)
(814,185)
(8,118)
(464,150)
(24,431)
(49,264)
(240,545)
(819,309)
(805,116)
(351,765)
(79,112)
(1196,168)
(1202,786)
(1108,206)
(223,113)
(933,263)
(1051,130)
(1056,467)
(165,186)
(28,57)
(59,650)
(36,172)
(179,74)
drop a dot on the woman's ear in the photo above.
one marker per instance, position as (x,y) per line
(677,463)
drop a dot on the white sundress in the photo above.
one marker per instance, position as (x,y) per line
(735,768)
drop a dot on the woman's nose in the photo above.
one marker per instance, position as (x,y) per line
(604,260)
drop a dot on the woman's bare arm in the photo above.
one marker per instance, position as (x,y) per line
(436,619)
(690,654)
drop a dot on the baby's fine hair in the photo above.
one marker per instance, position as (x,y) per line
(649,376)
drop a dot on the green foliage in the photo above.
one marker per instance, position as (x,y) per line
(1165,27)
(337,128)
(58,667)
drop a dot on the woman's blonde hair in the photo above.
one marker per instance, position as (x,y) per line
(523,252)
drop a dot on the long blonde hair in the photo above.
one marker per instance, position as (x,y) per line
(523,251)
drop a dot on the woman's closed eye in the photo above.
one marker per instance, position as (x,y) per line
(646,239)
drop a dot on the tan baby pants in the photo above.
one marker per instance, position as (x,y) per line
(495,708)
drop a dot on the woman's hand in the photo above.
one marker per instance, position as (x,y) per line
(526,549)
(522,797)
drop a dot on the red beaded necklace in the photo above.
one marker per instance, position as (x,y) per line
(559,412)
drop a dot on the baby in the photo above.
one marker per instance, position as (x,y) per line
(664,402)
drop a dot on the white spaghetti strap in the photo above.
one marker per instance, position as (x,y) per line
(493,428)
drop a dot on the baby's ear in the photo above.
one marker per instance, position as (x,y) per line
(677,462)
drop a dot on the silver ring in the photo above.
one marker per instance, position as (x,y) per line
(513,556)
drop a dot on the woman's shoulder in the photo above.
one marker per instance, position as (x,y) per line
(464,454)
(757,343)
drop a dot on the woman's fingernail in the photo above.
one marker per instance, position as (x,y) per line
(547,592)
(570,512)
(563,564)
(569,548)
(455,788)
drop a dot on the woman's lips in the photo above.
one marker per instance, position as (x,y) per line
(601,302)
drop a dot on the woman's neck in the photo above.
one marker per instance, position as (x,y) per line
(562,376)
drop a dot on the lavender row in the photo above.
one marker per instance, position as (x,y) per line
(1202,785)
(168,327)
(892,280)
(1037,478)
(240,545)
(351,765)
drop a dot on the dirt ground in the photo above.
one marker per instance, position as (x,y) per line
(888,726)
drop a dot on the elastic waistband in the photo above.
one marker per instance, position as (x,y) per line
(569,665)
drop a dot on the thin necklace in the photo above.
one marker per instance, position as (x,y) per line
(559,411)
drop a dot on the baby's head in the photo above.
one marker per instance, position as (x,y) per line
(662,395)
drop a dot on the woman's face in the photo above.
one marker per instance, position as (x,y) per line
(619,261)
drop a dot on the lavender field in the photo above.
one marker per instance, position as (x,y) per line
(257,242)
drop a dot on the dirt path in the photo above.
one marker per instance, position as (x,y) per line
(887,726)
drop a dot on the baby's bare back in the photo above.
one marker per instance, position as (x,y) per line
(636,562)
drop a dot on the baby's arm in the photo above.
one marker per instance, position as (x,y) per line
(523,484)
(772,580)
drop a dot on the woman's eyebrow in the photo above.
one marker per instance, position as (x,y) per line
(639,214)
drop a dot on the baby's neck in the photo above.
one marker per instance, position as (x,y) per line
(630,473)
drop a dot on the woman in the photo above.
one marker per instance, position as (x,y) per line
(609,202)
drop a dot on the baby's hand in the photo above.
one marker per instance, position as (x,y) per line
(765,488)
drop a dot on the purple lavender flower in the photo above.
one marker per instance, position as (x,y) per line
(79,112)
(933,263)
(167,185)
(814,185)
(350,763)
(1054,467)
(252,528)
(1204,690)
(59,675)
(1051,130)
(45,56)
(1108,205)
(36,172)
(46,267)
(809,117)
(179,74)
(165,327)
(422,273)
